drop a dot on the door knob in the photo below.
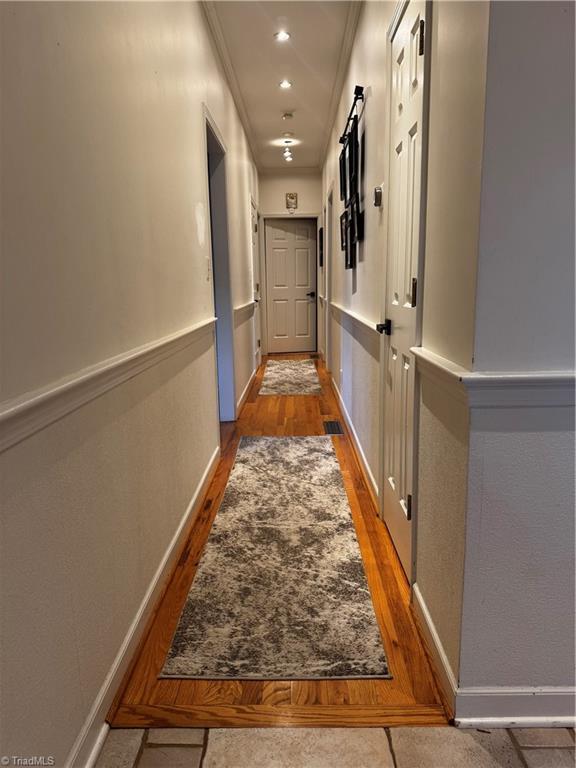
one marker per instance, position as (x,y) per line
(312,294)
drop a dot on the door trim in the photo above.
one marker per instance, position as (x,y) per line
(264,273)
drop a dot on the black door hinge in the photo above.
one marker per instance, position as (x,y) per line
(409,507)
(421,38)
(414,292)
(385,327)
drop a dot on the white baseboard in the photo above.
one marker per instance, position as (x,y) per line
(444,674)
(244,395)
(357,443)
(87,746)
(515,707)
(498,706)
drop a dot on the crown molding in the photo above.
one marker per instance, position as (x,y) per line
(210,10)
(354,12)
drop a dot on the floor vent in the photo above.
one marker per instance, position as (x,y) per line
(333,428)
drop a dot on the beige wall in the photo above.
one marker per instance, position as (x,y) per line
(527,217)
(456,130)
(355,348)
(105,248)
(273,188)
(459,43)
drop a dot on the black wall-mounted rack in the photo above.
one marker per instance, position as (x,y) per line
(358,96)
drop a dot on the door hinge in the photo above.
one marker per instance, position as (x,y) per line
(421,38)
(409,507)
(385,327)
(414,291)
(258,343)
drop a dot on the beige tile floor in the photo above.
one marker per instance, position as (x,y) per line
(338,748)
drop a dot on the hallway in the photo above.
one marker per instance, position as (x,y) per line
(384,193)
(409,698)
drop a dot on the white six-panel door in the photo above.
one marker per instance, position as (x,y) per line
(291,284)
(407,71)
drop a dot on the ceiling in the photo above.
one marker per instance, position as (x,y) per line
(314,59)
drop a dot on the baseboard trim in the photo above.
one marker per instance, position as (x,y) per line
(362,461)
(515,707)
(517,722)
(443,671)
(497,706)
(86,748)
(244,395)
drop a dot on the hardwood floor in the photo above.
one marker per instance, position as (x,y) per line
(410,698)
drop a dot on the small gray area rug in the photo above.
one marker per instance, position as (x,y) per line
(280,591)
(290,377)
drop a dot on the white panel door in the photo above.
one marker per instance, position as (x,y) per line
(291,284)
(407,70)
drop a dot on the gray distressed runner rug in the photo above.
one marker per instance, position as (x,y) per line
(280,591)
(290,377)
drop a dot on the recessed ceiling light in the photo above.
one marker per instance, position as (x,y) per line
(288,141)
(285,84)
(288,134)
(287,116)
(287,152)
(282,36)
(288,158)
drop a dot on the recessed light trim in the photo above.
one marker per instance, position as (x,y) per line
(281,36)
(285,84)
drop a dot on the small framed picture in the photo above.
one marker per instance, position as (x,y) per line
(343,175)
(357,219)
(352,160)
(350,255)
(291,200)
(343,230)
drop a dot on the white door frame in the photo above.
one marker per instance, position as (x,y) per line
(224,330)
(257,288)
(328,261)
(264,275)
(396,19)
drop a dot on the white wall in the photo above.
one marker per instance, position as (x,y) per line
(518,616)
(459,40)
(525,310)
(356,357)
(104,248)
(495,514)
(273,188)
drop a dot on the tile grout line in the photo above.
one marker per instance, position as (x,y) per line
(517,747)
(141,749)
(391,747)
(204,746)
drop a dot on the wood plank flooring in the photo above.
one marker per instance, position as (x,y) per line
(410,698)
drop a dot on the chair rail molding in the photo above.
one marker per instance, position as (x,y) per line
(502,389)
(244,307)
(363,321)
(23,416)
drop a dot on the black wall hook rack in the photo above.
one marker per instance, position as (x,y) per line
(358,96)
